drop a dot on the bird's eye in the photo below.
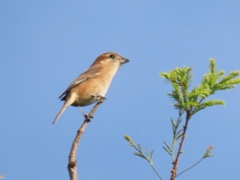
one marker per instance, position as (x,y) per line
(112,56)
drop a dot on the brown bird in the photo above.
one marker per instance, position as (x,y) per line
(93,84)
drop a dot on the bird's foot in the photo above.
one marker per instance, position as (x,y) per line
(88,117)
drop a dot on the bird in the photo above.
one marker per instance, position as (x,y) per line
(92,84)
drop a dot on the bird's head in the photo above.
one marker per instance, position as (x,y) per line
(110,59)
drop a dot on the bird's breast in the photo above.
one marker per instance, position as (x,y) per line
(97,86)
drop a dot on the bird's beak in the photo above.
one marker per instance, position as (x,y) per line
(124,60)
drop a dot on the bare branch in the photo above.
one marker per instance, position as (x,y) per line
(72,161)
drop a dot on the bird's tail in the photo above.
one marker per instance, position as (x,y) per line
(65,105)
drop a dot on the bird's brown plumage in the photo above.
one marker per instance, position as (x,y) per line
(93,82)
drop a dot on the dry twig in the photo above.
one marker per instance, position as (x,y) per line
(72,161)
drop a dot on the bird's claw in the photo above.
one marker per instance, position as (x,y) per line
(88,117)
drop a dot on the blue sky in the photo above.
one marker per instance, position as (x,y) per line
(47,44)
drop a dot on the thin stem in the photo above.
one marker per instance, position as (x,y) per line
(72,160)
(190,167)
(173,142)
(156,171)
(175,163)
(148,161)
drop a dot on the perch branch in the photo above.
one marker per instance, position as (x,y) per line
(72,161)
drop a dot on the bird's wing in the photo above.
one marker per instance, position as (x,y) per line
(92,72)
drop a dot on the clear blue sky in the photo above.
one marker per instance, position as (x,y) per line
(46,44)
